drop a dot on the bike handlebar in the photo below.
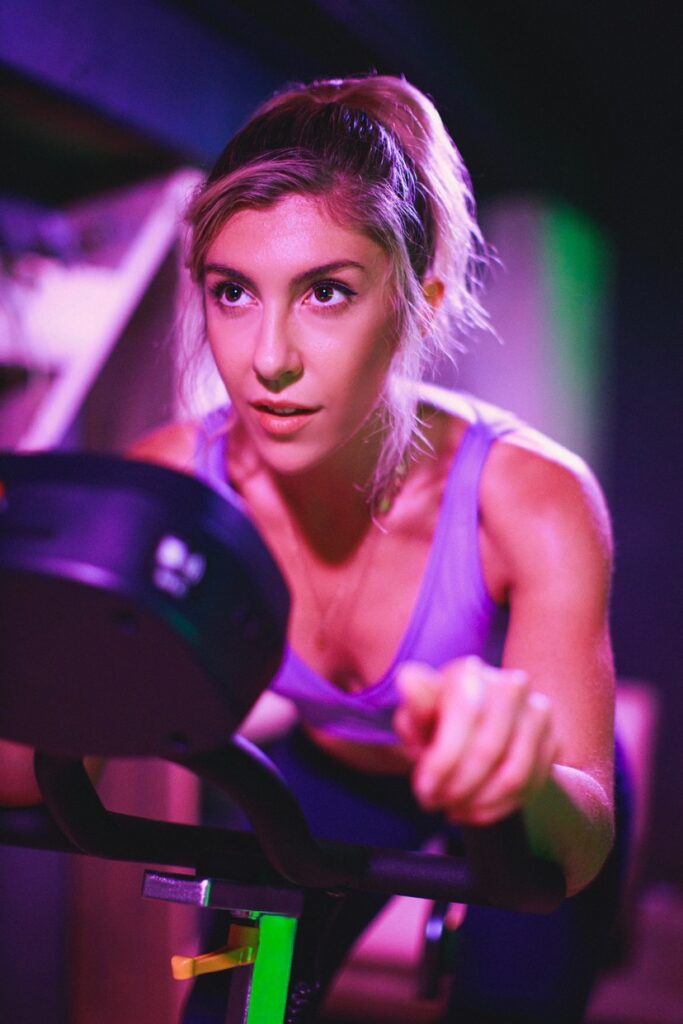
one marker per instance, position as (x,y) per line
(498,868)
(152,576)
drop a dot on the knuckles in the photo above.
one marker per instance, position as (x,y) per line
(514,781)
(507,729)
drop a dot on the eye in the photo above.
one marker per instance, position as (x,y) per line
(226,293)
(329,293)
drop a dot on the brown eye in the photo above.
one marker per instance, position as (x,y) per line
(330,293)
(230,293)
(324,292)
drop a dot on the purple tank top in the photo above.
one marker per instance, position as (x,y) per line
(453,612)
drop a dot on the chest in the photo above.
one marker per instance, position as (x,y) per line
(352,605)
(349,620)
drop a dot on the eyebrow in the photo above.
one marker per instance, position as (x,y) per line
(307,275)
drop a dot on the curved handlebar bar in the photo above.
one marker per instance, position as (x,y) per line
(150,575)
(498,868)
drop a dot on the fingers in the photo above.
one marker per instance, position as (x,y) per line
(522,770)
(486,740)
(479,711)
(419,686)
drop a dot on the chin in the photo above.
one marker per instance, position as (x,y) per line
(287,459)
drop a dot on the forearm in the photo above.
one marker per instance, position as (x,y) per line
(18,786)
(571,821)
(270,718)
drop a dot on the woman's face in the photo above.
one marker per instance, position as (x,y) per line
(300,324)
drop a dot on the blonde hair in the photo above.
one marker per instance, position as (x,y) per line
(376,153)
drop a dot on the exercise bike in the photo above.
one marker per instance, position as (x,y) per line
(165,618)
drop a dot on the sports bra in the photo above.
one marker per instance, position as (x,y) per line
(453,613)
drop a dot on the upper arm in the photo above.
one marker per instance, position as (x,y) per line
(548,537)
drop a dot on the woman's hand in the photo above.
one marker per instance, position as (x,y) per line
(482,739)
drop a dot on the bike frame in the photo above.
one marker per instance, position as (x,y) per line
(154,657)
(260,980)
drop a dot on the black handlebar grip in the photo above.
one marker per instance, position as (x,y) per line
(507,872)
(498,868)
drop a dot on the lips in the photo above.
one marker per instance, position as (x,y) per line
(283,418)
(284,410)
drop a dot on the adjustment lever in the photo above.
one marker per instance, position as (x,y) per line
(239,951)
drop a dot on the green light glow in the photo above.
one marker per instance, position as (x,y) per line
(577,270)
(272,968)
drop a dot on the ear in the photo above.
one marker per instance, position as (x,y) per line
(434,290)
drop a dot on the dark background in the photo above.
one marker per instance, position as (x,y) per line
(573,101)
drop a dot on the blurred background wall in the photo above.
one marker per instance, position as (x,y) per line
(565,115)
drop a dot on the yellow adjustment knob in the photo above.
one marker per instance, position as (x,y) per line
(239,951)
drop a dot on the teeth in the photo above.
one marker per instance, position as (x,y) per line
(283,412)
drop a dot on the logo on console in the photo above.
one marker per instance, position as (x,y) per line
(176,568)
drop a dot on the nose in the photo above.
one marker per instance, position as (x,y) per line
(277,359)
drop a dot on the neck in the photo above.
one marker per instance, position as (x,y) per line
(327,504)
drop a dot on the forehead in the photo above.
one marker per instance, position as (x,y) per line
(295,232)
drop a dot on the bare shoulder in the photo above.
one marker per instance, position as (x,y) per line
(528,470)
(173,445)
(543,512)
(454,404)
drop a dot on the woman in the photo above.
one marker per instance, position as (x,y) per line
(335,255)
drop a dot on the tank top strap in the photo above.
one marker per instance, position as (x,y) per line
(487,426)
(458,579)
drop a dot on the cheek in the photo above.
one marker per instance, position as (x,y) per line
(379,351)
(376,336)
(368,372)
(226,351)
(218,352)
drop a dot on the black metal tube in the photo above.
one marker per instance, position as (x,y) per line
(254,783)
(498,869)
(94,830)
